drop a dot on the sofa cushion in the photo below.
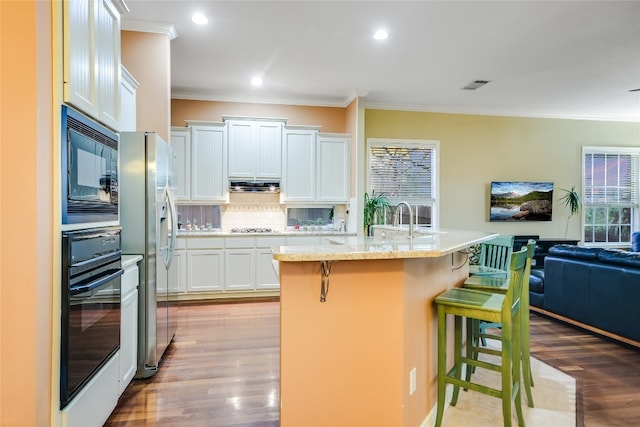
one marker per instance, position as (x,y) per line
(576,252)
(536,281)
(620,257)
(635,241)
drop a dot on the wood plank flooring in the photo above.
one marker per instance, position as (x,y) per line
(222,370)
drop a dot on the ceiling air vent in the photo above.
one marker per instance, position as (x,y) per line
(475,84)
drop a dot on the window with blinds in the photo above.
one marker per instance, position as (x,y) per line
(610,195)
(404,170)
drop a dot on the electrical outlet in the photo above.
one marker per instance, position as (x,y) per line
(412,381)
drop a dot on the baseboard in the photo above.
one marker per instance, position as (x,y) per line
(590,328)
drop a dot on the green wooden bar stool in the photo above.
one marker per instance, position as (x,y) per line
(495,284)
(490,307)
(494,257)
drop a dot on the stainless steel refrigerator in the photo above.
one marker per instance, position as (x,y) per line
(149,227)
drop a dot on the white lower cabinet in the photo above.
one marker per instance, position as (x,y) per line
(239,269)
(240,263)
(178,272)
(129,323)
(236,264)
(266,276)
(204,270)
(95,402)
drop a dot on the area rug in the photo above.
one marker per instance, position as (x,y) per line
(554,396)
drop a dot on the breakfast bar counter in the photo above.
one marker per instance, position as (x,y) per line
(359,328)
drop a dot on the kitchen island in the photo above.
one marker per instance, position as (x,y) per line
(359,328)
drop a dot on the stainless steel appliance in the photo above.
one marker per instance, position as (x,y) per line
(254,186)
(89,170)
(149,228)
(90,322)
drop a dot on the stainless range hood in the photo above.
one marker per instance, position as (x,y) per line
(254,186)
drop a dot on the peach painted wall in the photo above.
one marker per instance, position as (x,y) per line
(147,57)
(26,213)
(332,119)
(347,361)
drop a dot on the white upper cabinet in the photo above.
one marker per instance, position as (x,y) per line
(255,148)
(128,87)
(333,173)
(181,143)
(208,167)
(91,49)
(299,157)
(316,166)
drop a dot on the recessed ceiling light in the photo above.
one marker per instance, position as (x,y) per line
(475,84)
(199,18)
(256,81)
(380,35)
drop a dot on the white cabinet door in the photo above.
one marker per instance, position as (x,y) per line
(269,150)
(129,327)
(91,58)
(299,174)
(255,149)
(79,69)
(205,270)
(108,53)
(181,143)
(266,277)
(208,171)
(333,176)
(239,269)
(241,151)
(178,272)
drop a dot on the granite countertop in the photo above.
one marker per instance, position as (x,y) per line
(435,244)
(285,233)
(128,260)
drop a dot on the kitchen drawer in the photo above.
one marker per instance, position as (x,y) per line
(303,240)
(267,242)
(205,243)
(239,242)
(181,243)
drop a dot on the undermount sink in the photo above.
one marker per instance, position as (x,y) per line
(389,233)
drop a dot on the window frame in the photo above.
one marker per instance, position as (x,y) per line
(434,145)
(635,208)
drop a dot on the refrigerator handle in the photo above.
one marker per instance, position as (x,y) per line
(174,226)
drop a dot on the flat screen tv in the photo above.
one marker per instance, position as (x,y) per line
(521,201)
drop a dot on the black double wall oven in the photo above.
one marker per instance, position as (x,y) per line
(90,253)
(91,289)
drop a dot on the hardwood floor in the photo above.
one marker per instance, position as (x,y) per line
(607,373)
(222,370)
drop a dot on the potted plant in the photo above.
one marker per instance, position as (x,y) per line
(571,200)
(374,206)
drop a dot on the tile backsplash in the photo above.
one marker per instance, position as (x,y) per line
(253,210)
(262,210)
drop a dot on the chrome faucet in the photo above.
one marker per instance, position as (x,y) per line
(396,217)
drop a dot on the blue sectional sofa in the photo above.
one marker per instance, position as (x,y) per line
(595,287)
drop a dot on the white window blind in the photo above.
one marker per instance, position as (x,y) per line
(403,172)
(611,179)
(610,195)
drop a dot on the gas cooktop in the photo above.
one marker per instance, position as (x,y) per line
(253,230)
